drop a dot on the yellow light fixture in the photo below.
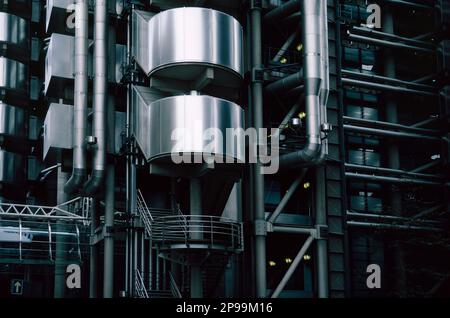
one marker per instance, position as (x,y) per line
(299,47)
(272,263)
(306,185)
(306,257)
(283,60)
(302,115)
(288,260)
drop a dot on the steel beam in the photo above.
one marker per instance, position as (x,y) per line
(293,267)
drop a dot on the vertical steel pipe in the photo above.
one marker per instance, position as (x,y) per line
(95,183)
(195,210)
(108,263)
(80,97)
(258,177)
(312,71)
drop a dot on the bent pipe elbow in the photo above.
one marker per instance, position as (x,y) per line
(76,181)
(94,184)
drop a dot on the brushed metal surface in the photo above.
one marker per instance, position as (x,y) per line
(13,74)
(59,68)
(180,43)
(58,130)
(13,29)
(191,115)
(12,167)
(12,120)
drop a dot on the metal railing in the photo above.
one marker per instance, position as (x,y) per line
(174,287)
(141,291)
(144,212)
(216,232)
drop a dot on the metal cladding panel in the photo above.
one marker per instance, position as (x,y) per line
(56,11)
(13,75)
(59,63)
(12,120)
(59,11)
(13,30)
(58,128)
(188,36)
(142,97)
(12,167)
(188,124)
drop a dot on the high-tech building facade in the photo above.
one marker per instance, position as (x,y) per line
(224,148)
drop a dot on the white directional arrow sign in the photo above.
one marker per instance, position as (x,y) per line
(16,287)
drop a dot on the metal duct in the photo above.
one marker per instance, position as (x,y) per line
(80,97)
(283,11)
(156,120)
(311,35)
(180,43)
(286,83)
(95,182)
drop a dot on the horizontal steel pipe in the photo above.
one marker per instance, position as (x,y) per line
(349,166)
(388,217)
(393,226)
(384,87)
(405,181)
(388,80)
(388,133)
(396,45)
(379,34)
(409,4)
(388,125)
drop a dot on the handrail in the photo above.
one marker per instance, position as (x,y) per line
(174,287)
(216,231)
(144,212)
(180,213)
(140,286)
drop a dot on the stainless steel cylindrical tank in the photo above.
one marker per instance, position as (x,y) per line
(181,43)
(192,124)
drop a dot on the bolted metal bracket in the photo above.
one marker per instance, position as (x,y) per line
(260,228)
(108,231)
(91,140)
(320,232)
(257,75)
(326,127)
(256,4)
